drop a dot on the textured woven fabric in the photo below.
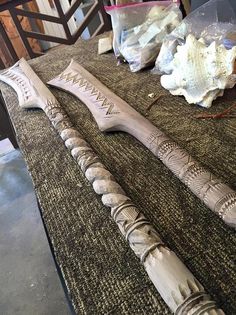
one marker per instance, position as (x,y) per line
(102,274)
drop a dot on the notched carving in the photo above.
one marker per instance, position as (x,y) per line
(12,75)
(74,78)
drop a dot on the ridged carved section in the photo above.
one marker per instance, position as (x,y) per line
(134,226)
(219,197)
(198,303)
(141,235)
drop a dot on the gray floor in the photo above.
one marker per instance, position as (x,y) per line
(29,283)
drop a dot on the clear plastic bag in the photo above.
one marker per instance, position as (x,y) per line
(140,28)
(213,21)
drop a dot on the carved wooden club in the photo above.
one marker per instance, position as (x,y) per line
(112,113)
(175,283)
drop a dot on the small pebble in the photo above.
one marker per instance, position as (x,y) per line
(151,95)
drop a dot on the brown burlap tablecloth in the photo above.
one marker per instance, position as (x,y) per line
(102,274)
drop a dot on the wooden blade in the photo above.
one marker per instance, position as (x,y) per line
(113,113)
(31,91)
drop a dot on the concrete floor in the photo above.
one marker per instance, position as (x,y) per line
(29,282)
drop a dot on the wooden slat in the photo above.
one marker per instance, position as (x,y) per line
(37,15)
(8,43)
(63,21)
(45,37)
(21,32)
(72,9)
(11,4)
(104,17)
(99,30)
(87,19)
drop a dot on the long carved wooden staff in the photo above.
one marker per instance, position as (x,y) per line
(112,113)
(175,283)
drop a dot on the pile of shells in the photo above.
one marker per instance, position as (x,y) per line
(200,72)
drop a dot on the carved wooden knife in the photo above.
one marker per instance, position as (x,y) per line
(112,113)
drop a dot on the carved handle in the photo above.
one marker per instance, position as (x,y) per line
(216,195)
(177,286)
(113,113)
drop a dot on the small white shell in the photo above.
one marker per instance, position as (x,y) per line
(156,12)
(200,73)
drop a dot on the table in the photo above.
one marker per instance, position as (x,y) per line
(6,128)
(102,274)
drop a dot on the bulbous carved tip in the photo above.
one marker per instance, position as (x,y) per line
(230,217)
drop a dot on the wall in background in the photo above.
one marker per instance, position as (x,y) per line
(197,3)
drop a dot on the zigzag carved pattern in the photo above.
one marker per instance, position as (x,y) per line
(13,76)
(75,78)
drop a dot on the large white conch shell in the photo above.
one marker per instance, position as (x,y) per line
(200,73)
